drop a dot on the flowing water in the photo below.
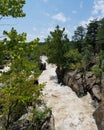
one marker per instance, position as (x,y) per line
(70,112)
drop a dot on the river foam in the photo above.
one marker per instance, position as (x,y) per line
(70,112)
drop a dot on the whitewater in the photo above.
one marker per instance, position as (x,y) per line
(69,111)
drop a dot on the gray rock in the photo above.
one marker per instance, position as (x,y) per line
(96,91)
(27,121)
(99,117)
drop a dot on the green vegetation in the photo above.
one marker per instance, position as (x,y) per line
(58,45)
(12,8)
(19,90)
(85,48)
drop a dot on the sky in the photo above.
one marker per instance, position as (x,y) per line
(42,16)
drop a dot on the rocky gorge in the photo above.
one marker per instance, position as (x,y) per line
(75,104)
(70,112)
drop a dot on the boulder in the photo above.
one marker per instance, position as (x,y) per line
(74,80)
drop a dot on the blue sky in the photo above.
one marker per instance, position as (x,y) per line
(42,16)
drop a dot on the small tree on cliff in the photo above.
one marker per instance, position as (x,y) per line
(61,53)
(58,45)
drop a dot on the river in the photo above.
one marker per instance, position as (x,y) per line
(70,112)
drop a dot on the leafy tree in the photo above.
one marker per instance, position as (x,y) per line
(99,68)
(78,38)
(58,44)
(16,95)
(73,59)
(19,90)
(12,8)
(15,43)
(91,35)
(100,35)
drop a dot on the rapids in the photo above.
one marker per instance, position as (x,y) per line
(70,112)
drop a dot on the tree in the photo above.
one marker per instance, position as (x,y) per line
(19,89)
(73,58)
(91,35)
(100,35)
(58,44)
(78,38)
(14,44)
(12,8)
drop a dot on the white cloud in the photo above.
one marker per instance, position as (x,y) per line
(98,8)
(60,17)
(85,23)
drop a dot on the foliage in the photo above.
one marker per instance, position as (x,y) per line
(91,35)
(12,8)
(73,59)
(100,36)
(39,117)
(78,38)
(1,52)
(19,90)
(97,71)
(17,94)
(57,44)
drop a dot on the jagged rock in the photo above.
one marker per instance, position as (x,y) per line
(78,76)
(99,117)
(27,121)
(73,80)
(20,125)
(89,74)
(97,92)
(83,84)
(99,113)
(90,80)
(49,123)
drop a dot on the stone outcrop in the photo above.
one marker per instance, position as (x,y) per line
(88,82)
(99,113)
(82,84)
(99,117)
(25,124)
(48,123)
(27,121)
